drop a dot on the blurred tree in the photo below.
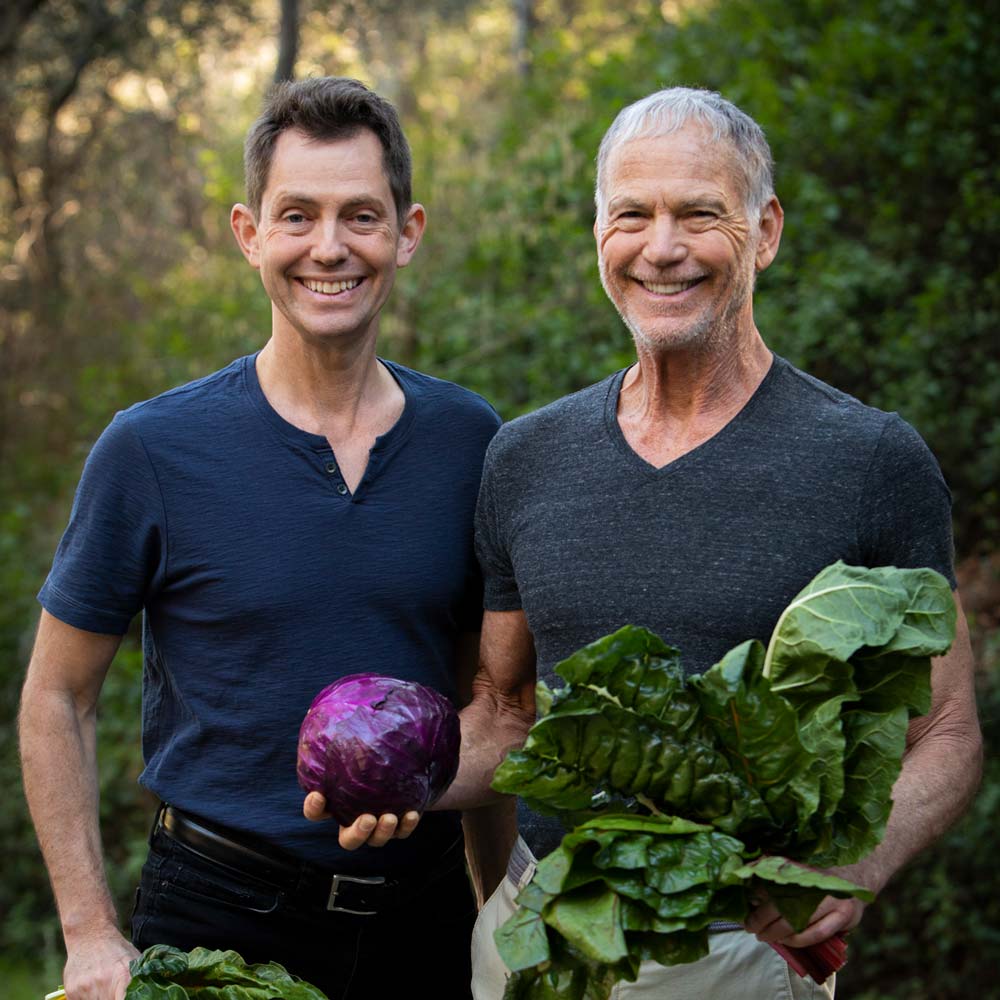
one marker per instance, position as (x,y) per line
(288,41)
(70,90)
(524,24)
(101,183)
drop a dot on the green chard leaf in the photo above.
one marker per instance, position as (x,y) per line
(165,973)
(852,654)
(627,722)
(591,919)
(522,940)
(759,732)
(872,762)
(843,609)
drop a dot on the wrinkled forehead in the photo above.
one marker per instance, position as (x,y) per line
(691,151)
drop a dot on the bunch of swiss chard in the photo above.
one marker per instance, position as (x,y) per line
(685,795)
(165,973)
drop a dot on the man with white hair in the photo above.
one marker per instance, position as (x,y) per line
(695,493)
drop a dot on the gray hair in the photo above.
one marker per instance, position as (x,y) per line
(670,110)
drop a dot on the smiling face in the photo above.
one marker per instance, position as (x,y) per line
(328,241)
(677,251)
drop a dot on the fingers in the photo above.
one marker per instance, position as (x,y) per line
(314,807)
(832,916)
(367,830)
(122,981)
(767,923)
(408,825)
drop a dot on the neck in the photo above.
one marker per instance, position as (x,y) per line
(313,386)
(671,401)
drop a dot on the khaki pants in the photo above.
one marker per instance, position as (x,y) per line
(739,967)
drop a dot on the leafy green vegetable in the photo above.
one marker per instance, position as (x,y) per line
(165,973)
(685,792)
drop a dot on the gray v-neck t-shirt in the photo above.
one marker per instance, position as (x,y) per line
(585,536)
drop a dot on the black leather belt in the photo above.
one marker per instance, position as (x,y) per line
(360,895)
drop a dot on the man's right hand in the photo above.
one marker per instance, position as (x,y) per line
(97,967)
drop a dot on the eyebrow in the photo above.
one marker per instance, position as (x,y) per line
(284,198)
(624,201)
(697,202)
(704,201)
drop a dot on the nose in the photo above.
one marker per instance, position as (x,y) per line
(329,246)
(665,243)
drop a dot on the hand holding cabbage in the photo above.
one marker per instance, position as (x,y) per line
(374,753)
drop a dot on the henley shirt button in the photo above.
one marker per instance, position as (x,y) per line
(341,489)
(331,467)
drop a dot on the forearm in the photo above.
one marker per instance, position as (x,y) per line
(942,767)
(491,727)
(938,781)
(59,760)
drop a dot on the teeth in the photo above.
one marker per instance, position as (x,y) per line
(672,289)
(331,287)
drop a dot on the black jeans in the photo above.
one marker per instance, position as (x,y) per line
(187,901)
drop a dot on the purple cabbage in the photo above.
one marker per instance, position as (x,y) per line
(374,744)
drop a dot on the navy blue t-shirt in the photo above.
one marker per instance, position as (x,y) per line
(263,579)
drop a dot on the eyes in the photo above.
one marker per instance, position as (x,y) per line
(634,219)
(361,219)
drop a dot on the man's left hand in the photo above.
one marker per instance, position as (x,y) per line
(366,829)
(832,916)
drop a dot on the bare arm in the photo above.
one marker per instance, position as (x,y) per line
(941,771)
(497,719)
(501,711)
(489,831)
(58,741)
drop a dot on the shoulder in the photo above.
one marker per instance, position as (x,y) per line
(877,442)
(196,401)
(826,409)
(444,398)
(557,427)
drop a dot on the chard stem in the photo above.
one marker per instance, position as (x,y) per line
(650,805)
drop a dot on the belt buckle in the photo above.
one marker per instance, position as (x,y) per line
(331,903)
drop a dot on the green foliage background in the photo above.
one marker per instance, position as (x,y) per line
(882,117)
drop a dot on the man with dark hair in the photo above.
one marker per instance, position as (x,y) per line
(306,107)
(695,493)
(303,514)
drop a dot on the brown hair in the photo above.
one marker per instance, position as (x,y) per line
(327,108)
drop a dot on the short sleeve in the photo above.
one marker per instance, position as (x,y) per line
(905,513)
(500,592)
(113,550)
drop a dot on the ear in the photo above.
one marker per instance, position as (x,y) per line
(772,220)
(410,234)
(244,227)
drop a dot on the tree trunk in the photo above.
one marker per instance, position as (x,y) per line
(288,41)
(524,22)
